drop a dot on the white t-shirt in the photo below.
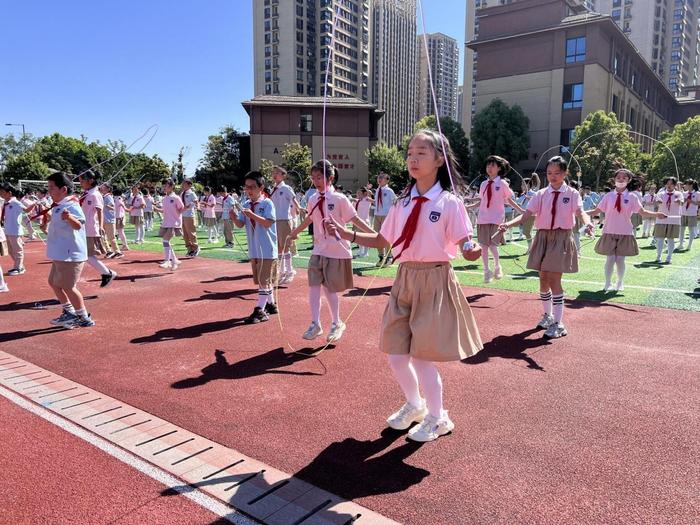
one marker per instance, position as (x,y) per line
(90,203)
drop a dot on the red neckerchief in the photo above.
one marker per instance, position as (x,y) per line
(618,202)
(410,227)
(489,193)
(689,200)
(554,208)
(668,200)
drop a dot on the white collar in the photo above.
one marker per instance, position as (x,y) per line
(432,194)
(563,187)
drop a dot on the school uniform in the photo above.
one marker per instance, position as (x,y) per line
(65,247)
(11,216)
(172,217)
(136,212)
(689,209)
(384,198)
(208,212)
(119,212)
(189,222)
(227,205)
(427,316)
(554,249)
(109,219)
(669,204)
(528,223)
(330,264)
(90,202)
(618,231)
(494,194)
(282,196)
(3,243)
(148,210)
(262,242)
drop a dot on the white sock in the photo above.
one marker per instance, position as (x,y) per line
(2,278)
(558,307)
(68,308)
(682,235)
(609,265)
(621,266)
(98,265)
(485,260)
(168,251)
(496,259)
(406,377)
(659,246)
(430,381)
(287,258)
(315,303)
(262,297)
(671,247)
(546,298)
(333,304)
(81,313)
(270,296)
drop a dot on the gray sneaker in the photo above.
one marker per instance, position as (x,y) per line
(546,321)
(555,331)
(336,332)
(65,316)
(80,322)
(313,331)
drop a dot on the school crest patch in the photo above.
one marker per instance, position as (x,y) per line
(498,188)
(172,201)
(566,200)
(89,203)
(331,207)
(627,201)
(434,216)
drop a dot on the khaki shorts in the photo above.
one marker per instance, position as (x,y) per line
(94,246)
(284,229)
(64,274)
(689,221)
(613,244)
(553,251)
(485,232)
(667,231)
(428,316)
(263,272)
(334,274)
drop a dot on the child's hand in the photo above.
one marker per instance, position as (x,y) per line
(247,213)
(333,227)
(293,236)
(589,229)
(661,215)
(503,227)
(65,215)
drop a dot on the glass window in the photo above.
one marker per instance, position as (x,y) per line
(306,123)
(573,96)
(575,49)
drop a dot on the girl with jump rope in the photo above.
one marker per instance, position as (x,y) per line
(618,240)
(427,319)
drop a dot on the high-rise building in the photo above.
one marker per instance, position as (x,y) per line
(666,34)
(395,70)
(443,52)
(292,43)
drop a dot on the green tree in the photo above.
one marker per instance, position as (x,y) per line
(387,159)
(454,133)
(684,141)
(602,144)
(222,161)
(499,130)
(12,146)
(26,166)
(69,154)
(297,161)
(266,169)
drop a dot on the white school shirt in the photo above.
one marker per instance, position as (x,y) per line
(90,202)
(442,223)
(149,203)
(362,206)
(119,207)
(500,193)
(340,208)
(172,211)
(568,203)
(63,243)
(283,197)
(219,207)
(12,216)
(649,202)
(208,211)
(136,201)
(692,209)
(227,205)
(619,222)
(670,207)
(388,198)
(108,215)
(189,198)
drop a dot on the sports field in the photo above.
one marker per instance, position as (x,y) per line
(646,283)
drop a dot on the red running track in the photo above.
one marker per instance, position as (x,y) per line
(598,427)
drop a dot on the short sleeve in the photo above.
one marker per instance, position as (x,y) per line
(508,192)
(99,201)
(269,210)
(534,205)
(458,225)
(604,204)
(389,227)
(636,203)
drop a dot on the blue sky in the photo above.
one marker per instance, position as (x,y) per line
(110,70)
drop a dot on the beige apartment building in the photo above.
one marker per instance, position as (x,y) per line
(559,63)
(443,53)
(351,128)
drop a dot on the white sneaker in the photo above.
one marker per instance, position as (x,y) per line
(336,332)
(4,288)
(174,265)
(498,272)
(284,278)
(546,321)
(165,265)
(607,287)
(555,331)
(488,276)
(657,260)
(620,287)
(313,331)
(431,428)
(406,416)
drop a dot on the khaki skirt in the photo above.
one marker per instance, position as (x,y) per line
(553,251)
(667,231)
(169,233)
(614,244)
(427,316)
(136,220)
(485,232)
(689,221)
(334,274)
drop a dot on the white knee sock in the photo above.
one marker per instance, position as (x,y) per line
(263,294)
(620,262)
(98,265)
(140,232)
(333,304)
(167,250)
(546,298)
(659,246)
(430,381)
(315,303)
(558,307)
(288,262)
(2,278)
(682,235)
(494,252)
(671,247)
(609,264)
(691,236)
(122,238)
(406,377)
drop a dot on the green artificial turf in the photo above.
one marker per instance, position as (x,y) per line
(673,286)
